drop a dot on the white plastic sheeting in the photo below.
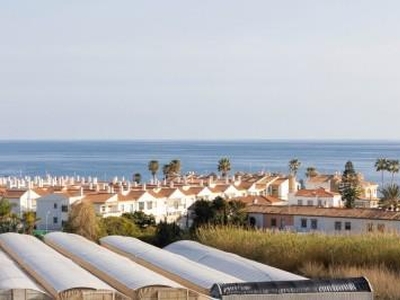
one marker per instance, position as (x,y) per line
(235,265)
(12,277)
(55,272)
(191,274)
(119,271)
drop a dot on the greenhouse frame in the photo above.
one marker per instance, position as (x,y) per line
(123,274)
(357,288)
(229,263)
(178,268)
(61,277)
(15,284)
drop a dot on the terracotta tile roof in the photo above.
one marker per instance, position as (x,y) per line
(279,181)
(254,200)
(193,190)
(98,197)
(132,195)
(163,192)
(219,188)
(14,193)
(355,213)
(321,192)
(320,178)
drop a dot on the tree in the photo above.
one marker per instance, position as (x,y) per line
(82,220)
(349,187)
(9,221)
(381,165)
(203,211)
(224,166)
(393,167)
(167,233)
(137,177)
(29,221)
(153,167)
(390,198)
(311,172)
(166,171)
(140,219)
(175,166)
(119,226)
(294,165)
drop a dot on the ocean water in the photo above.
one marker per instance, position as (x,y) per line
(107,159)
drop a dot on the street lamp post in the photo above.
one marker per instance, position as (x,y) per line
(47,220)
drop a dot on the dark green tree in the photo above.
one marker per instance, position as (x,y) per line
(167,233)
(349,188)
(140,219)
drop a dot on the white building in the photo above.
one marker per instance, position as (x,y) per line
(52,210)
(318,197)
(22,200)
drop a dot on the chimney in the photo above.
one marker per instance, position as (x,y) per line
(144,186)
(171,184)
(81,191)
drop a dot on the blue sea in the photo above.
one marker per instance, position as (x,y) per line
(108,159)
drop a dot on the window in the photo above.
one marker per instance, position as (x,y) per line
(103,209)
(63,222)
(347,226)
(55,220)
(303,223)
(131,208)
(381,227)
(314,224)
(150,205)
(299,202)
(273,222)
(338,225)
(55,205)
(64,208)
(310,202)
(319,202)
(122,208)
(141,205)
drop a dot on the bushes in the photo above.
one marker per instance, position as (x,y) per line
(291,251)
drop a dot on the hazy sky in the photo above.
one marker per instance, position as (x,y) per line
(206,69)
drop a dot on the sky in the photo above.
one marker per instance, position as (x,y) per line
(209,69)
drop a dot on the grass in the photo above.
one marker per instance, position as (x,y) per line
(375,256)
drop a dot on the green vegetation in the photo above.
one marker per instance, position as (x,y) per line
(137,177)
(294,165)
(224,166)
(311,172)
(390,198)
(153,167)
(172,169)
(373,255)
(350,185)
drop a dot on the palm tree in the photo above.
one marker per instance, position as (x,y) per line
(381,165)
(294,165)
(393,167)
(29,221)
(175,166)
(311,172)
(153,168)
(390,196)
(224,166)
(137,177)
(167,170)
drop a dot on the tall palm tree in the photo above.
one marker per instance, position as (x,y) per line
(381,165)
(390,198)
(393,167)
(153,167)
(167,170)
(175,166)
(224,166)
(294,165)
